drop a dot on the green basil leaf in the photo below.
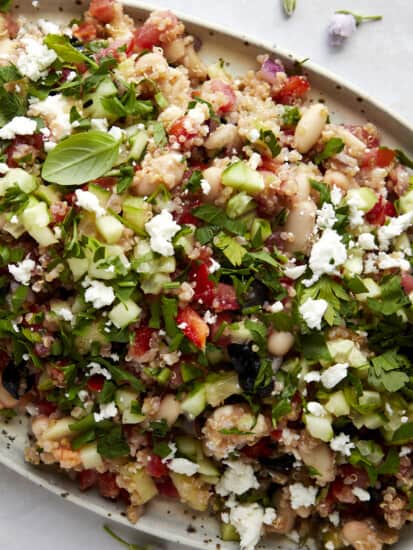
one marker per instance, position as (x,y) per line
(80,158)
(403,158)
(331,148)
(66,52)
(404,434)
(113,444)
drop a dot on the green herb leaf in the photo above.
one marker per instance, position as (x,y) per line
(234,431)
(159,428)
(230,248)
(161,448)
(194,182)
(11,105)
(323,189)
(331,148)
(391,464)
(314,348)
(112,443)
(268,138)
(391,299)
(158,133)
(291,116)
(217,217)
(66,52)
(404,434)
(80,158)
(205,234)
(5,5)
(403,158)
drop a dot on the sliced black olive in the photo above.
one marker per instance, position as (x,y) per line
(283,463)
(256,294)
(247,364)
(16,380)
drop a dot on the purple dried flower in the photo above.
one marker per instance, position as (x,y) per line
(340,27)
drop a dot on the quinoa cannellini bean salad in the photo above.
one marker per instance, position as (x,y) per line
(206,284)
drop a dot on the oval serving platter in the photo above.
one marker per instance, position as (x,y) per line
(166,519)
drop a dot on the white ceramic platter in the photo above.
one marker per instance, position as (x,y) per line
(164,518)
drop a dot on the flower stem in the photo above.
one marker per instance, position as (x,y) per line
(121,541)
(361,18)
(289,7)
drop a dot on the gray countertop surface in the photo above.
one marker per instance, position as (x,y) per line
(378,59)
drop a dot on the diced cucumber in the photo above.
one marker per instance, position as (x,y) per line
(195,402)
(344,350)
(372,421)
(319,427)
(191,491)
(78,267)
(186,242)
(260,226)
(220,386)
(239,204)
(239,333)
(147,263)
(337,404)
(129,417)
(124,399)
(92,105)
(145,487)
(373,290)
(103,195)
(89,335)
(138,143)
(371,450)
(124,313)
(48,193)
(188,446)
(16,230)
(136,213)
(110,228)
(370,400)
(354,263)
(45,382)
(364,198)
(229,533)
(35,214)
(43,235)
(240,176)
(153,284)
(216,355)
(406,202)
(16,176)
(59,429)
(207,467)
(90,457)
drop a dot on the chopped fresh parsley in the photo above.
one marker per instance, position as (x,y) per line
(331,148)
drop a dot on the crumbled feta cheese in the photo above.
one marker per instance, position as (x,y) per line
(370,263)
(197,114)
(107,410)
(302,496)
(99,294)
(35,3)
(366,241)
(182,326)
(336,195)
(276,307)
(49,145)
(288,436)
(316,409)
(116,133)
(14,219)
(404,419)
(356,215)
(88,201)
(342,444)
(71,75)
(34,59)
(238,478)
(333,375)
(183,466)
(205,186)
(254,161)
(47,27)
(18,126)
(327,254)
(83,395)
(65,314)
(329,545)
(25,356)
(3,168)
(312,312)
(361,494)
(213,266)
(96,368)
(210,318)
(99,124)
(295,272)
(394,228)
(253,135)
(55,110)
(312,376)
(404,451)
(173,450)
(326,216)
(393,260)
(171,358)
(334,518)
(161,229)
(248,520)
(22,271)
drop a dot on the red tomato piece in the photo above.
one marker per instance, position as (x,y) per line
(262,449)
(107,485)
(204,289)
(58,211)
(46,408)
(193,326)
(220,87)
(269,165)
(96,382)
(276,435)
(106,182)
(86,32)
(225,298)
(181,130)
(407,282)
(377,215)
(144,38)
(295,87)
(384,157)
(102,10)
(166,488)
(87,479)
(155,467)
(142,341)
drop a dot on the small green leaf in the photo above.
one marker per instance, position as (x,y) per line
(404,434)
(289,7)
(268,138)
(230,248)
(5,5)
(112,444)
(403,158)
(66,52)
(331,148)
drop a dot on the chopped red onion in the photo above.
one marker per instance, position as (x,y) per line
(269,69)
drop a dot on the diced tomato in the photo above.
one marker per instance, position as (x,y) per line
(46,408)
(102,10)
(228,94)
(225,298)
(407,283)
(106,182)
(383,208)
(276,435)
(144,38)
(166,488)
(269,164)
(259,450)
(86,31)
(384,157)
(12,25)
(204,289)
(23,146)
(142,341)
(58,211)
(96,382)
(155,467)
(107,485)
(87,479)
(294,88)
(367,134)
(181,130)
(193,326)
(348,477)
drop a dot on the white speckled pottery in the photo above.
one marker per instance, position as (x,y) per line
(164,518)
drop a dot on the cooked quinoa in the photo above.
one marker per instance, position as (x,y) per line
(206,287)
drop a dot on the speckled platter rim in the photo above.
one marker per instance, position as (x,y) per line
(166,519)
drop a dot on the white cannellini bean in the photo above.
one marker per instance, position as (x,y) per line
(213,177)
(302,179)
(280,343)
(332,177)
(169,409)
(152,62)
(310,126)
(223,136)
(300,223)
